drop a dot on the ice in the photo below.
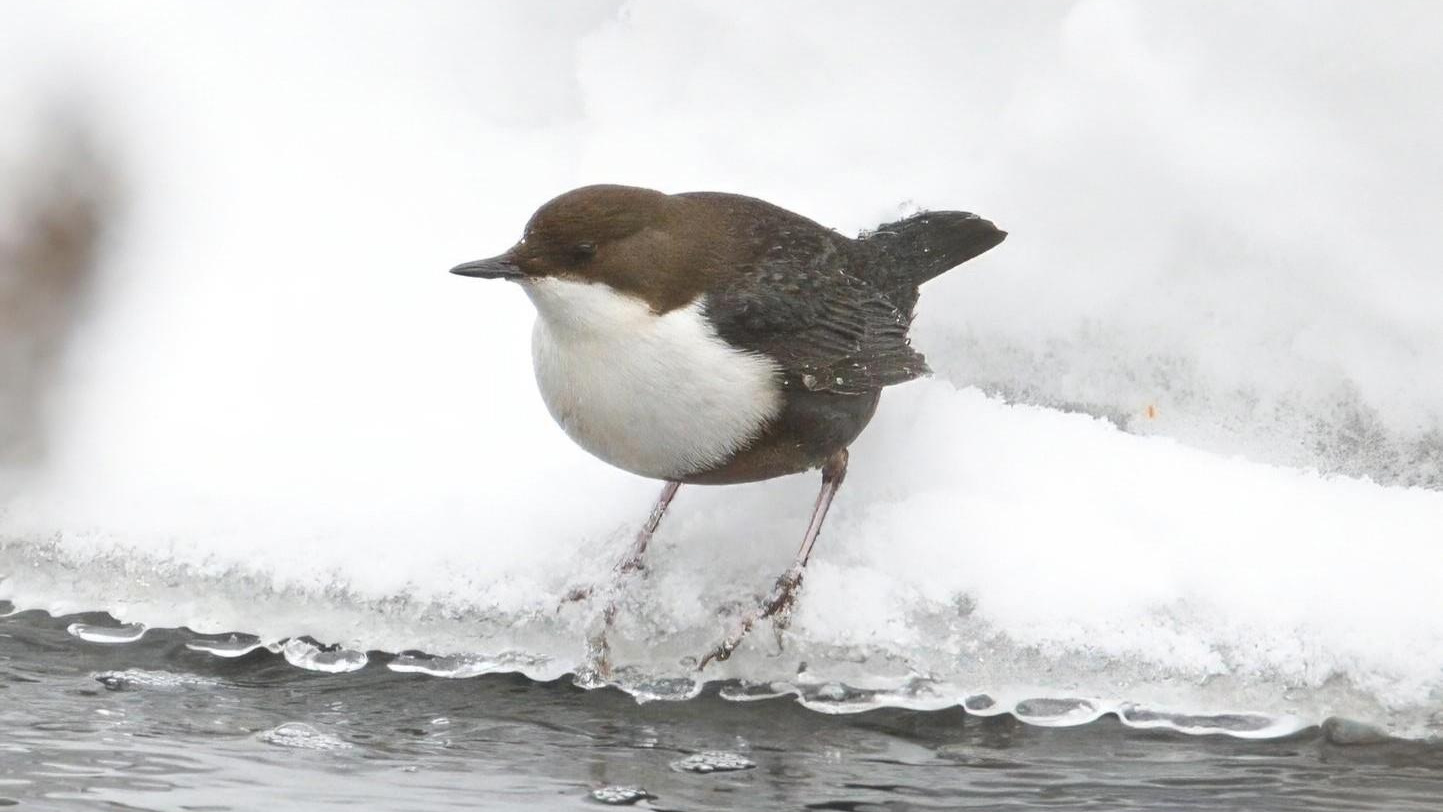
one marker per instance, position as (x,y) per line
(616,795)
(1056,712)
(1348,732)
(308,655)
(648,687)
(284,418)
(1244,725)
(464,667)
(713,761)
(231,647)
(91,633)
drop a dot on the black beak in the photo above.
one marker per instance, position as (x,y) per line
(500,267)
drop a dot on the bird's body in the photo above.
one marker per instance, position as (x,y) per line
(656,394)
(715,338)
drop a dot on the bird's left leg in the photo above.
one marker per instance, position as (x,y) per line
(633,560)
(784,594)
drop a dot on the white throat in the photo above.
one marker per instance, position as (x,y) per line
(662,396)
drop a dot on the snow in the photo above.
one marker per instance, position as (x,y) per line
(286,418)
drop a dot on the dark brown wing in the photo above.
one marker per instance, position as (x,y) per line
(828,328)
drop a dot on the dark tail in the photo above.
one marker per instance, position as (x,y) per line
(911,251)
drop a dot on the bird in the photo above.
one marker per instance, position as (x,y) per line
(710,338)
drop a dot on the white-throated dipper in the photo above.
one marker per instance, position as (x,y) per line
(713,338)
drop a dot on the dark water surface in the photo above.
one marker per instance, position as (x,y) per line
(154,725)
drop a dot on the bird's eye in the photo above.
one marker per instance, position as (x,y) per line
(583,251)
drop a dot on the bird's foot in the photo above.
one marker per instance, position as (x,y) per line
(576,594)
(595,669)
(619,576)
(777,606)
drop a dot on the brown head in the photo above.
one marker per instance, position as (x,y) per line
(639,241)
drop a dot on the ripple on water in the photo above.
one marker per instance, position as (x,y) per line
(139,679)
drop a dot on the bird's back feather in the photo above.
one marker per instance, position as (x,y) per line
(834,312)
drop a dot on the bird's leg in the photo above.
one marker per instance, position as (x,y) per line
(783,596)
(632,562)
(598,649)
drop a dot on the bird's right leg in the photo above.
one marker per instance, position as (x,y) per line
(778,605)
(598,650)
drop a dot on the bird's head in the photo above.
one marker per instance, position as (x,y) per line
(631,239)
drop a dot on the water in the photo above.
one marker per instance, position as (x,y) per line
(156,725)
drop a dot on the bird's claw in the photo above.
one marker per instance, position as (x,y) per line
(724,649)
(777,605)
(620,574)
(596,666)
(575,594)
(629,566)
(783,595)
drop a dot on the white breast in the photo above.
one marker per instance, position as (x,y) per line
(660,396)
